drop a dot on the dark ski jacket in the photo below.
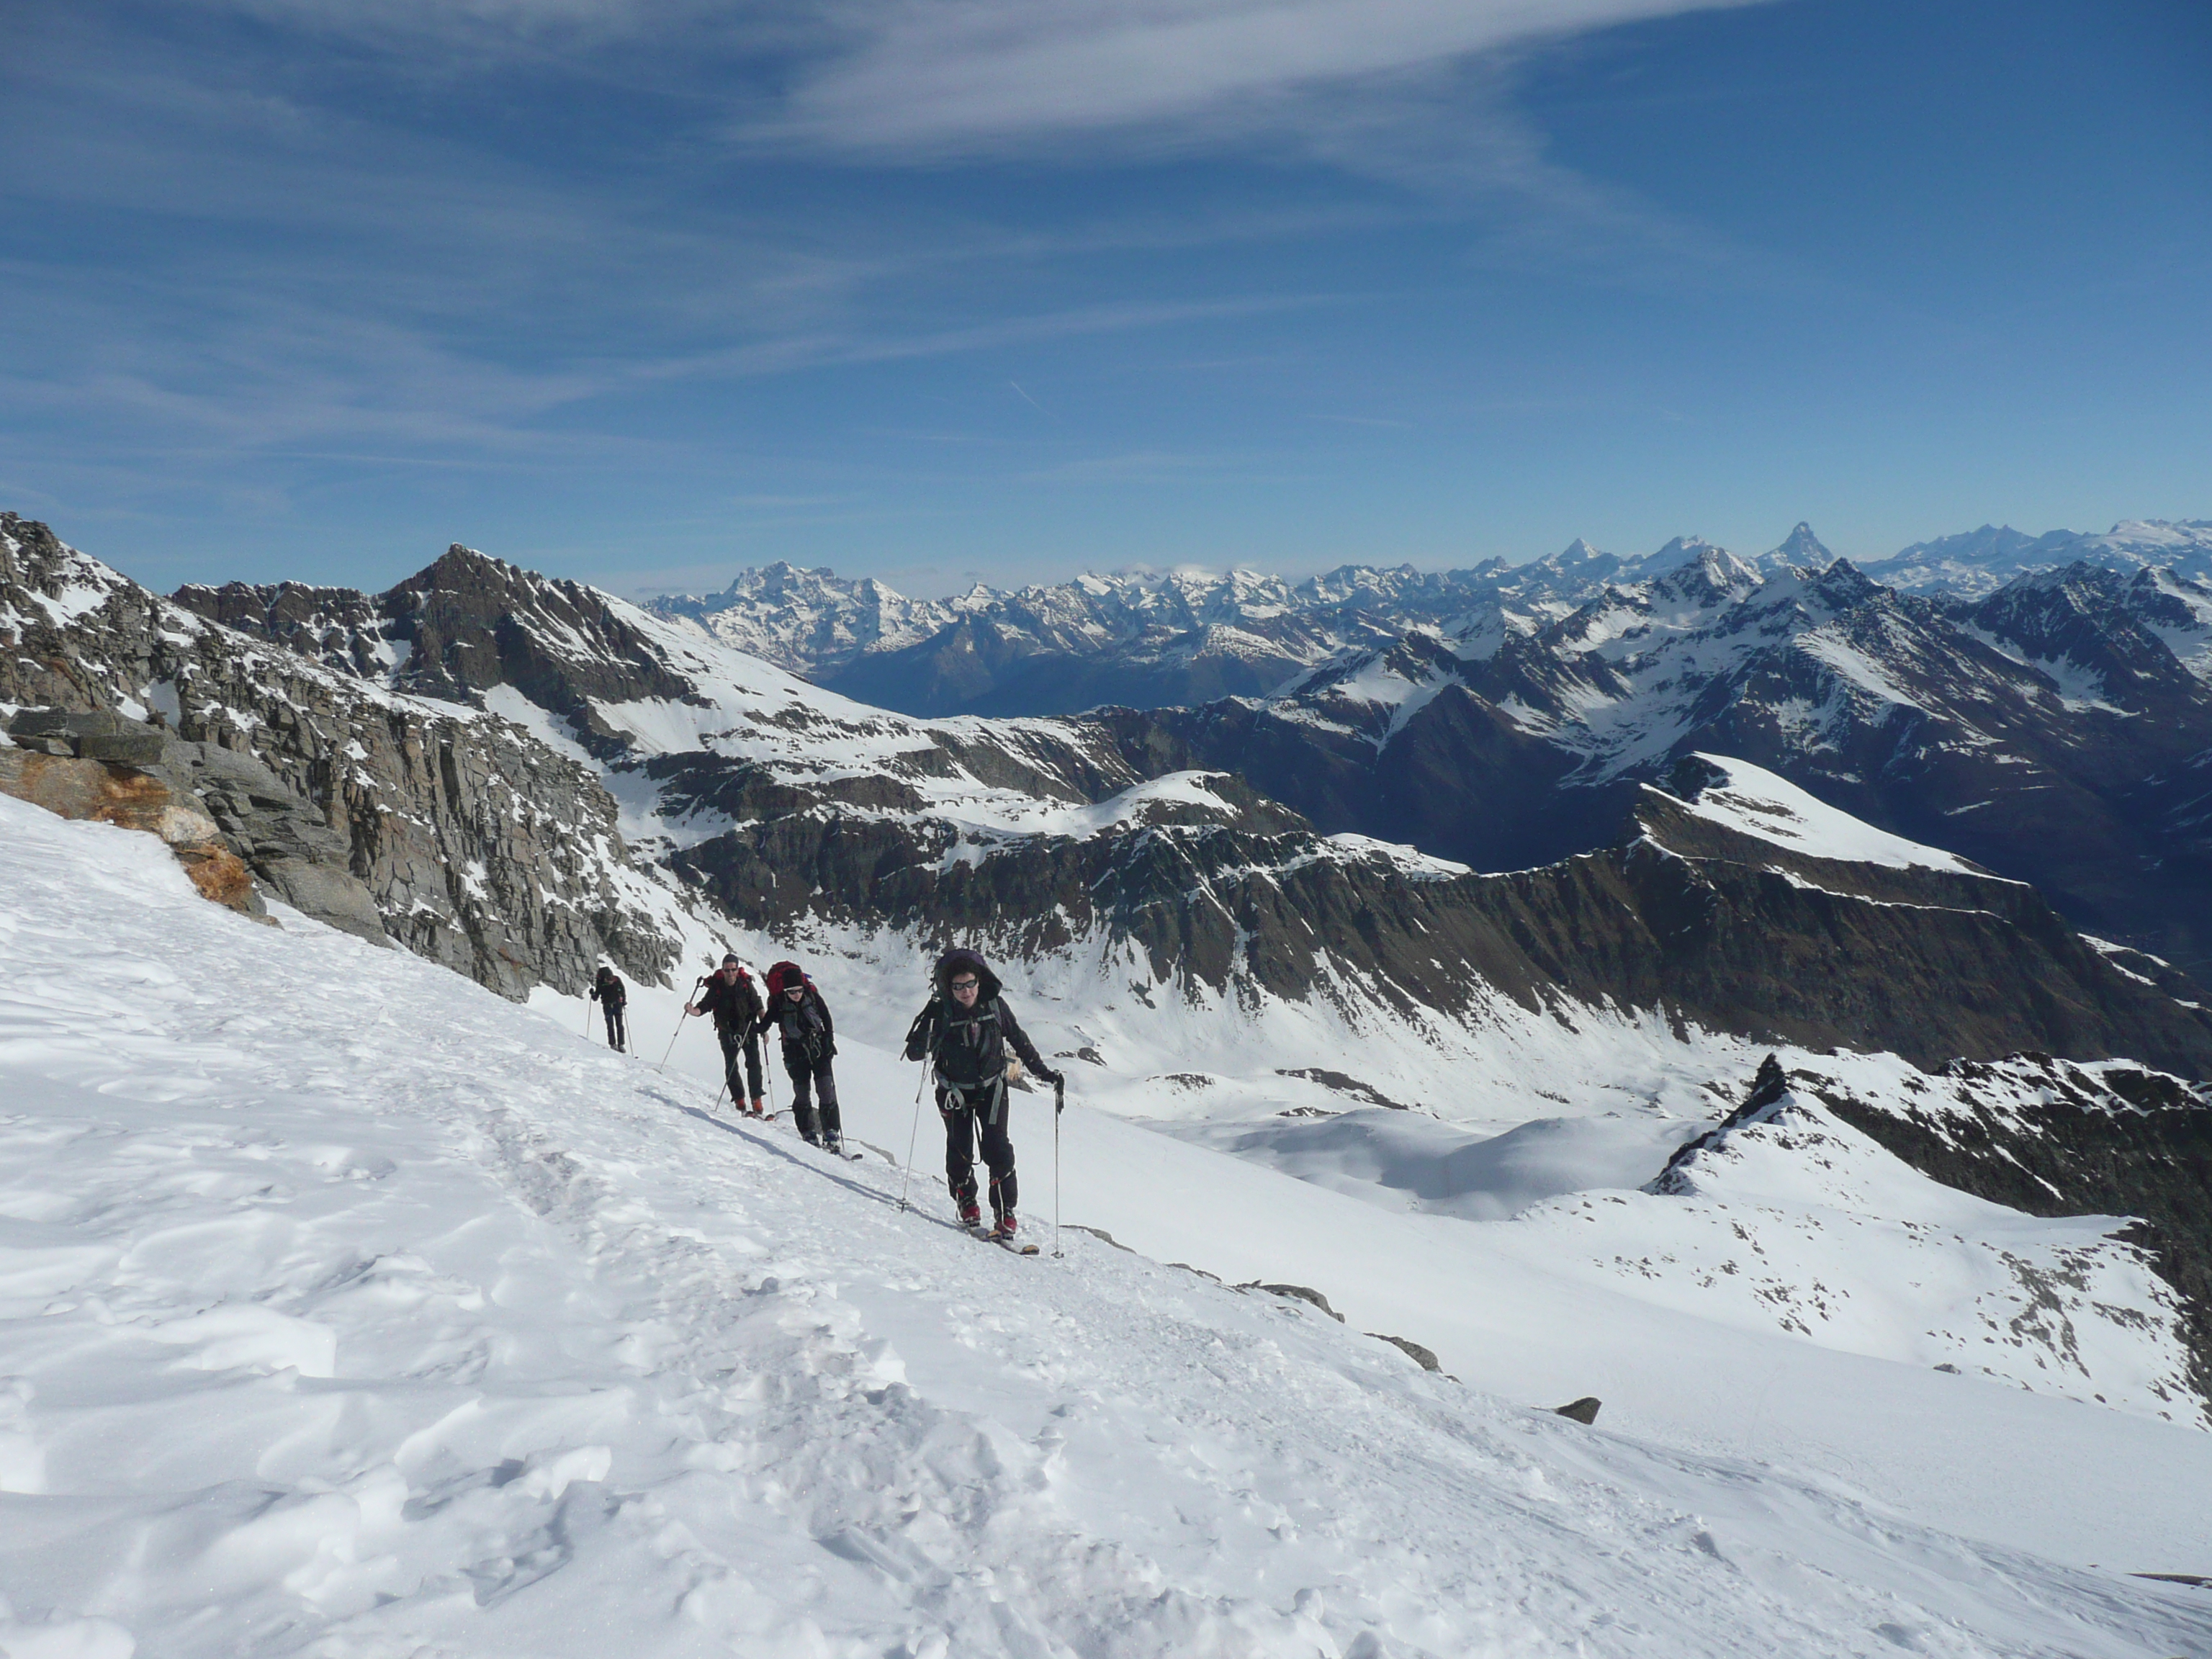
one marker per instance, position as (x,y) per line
(736,1008)
(609,988)
(808,1034)
(967,1046)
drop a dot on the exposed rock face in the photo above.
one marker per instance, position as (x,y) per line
(281,835)
(472,844)
(1720,931)
(455,629)
(2053,1137)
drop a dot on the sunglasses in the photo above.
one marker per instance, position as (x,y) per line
(965,984)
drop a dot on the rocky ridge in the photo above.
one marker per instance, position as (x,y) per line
(2046,1136)
(2035,1135)
(456,834)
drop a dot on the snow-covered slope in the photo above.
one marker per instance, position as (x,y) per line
(1752,801)
(352,1311)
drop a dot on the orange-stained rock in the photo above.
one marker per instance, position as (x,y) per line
(220,874)
(132,799)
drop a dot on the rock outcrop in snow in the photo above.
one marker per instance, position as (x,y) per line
(2052,1137)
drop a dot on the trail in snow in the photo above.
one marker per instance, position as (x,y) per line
(348,1311)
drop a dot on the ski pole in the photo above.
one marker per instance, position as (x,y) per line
(678,1031)
(672,1036)
(906,1176)
(587,1017)
(1059,1105)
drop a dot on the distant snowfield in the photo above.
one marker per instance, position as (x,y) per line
(1756,802)
(348,1311)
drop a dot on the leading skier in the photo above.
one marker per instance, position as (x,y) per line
(964,1034)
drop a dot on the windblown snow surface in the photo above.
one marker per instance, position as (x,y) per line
(1755,802)
(351,1311)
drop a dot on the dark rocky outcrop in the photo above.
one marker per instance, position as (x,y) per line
(1424,1357)
(1767,1090)
(1305,1293)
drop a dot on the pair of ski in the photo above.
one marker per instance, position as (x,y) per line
(1011,1246)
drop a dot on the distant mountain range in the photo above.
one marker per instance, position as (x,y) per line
(2054,725)
(1980,562)
(1159,639)
(2058,731)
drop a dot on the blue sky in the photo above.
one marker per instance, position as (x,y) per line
(644,290)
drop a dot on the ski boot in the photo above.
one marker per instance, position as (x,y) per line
(1003,1228)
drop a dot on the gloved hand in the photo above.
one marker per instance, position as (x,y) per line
(1056,1079)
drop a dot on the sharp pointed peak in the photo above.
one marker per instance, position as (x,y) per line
(1801,546)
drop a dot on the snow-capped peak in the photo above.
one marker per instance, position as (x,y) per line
(1800,549)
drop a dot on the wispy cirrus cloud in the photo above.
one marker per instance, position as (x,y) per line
(924,78)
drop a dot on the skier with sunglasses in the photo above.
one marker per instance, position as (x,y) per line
(965,1033)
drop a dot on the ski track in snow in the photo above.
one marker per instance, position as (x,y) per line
(348,1311)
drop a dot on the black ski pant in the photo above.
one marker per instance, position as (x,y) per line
(618,1027)
(811,1074)
(972,1115)
(748,1047)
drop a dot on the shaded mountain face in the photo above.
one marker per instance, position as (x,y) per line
(1712,927)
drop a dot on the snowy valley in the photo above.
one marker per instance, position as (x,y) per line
(355,1308)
